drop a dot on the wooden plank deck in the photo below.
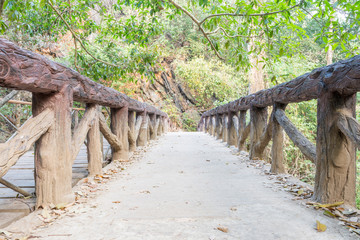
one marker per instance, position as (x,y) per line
(12,205)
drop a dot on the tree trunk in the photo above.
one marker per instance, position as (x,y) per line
(53,154)
(335,178)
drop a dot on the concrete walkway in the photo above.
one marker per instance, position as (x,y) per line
(187,186)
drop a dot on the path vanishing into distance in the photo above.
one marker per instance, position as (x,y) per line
(183,186)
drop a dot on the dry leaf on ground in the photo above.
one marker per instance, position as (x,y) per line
(223,229)
(320,227)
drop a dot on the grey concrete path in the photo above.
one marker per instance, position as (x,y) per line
(185,187)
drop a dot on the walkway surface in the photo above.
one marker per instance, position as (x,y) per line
(190,186)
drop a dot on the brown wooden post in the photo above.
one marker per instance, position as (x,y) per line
(277,149)
(94,147)
(153,133)
(213,125)
(224,122)
(218,126)
(258,118)
(142,139)
(131,124)
(53,155)
(207,124)
(242,126)
(76,118)
(231,136)
(119,126)
(335,178)
(160,126)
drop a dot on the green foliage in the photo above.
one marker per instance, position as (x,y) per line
(211,81)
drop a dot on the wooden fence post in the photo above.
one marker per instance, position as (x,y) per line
(258,118)
(153,133)
(242,126)
(232,135)
(277,149)
(142,140)
(335,178)
(224,122)
(53,151)
(94,147)
(213,125)
(119,126)
(218,127)
(131,124)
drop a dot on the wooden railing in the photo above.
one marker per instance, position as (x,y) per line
(54,87)
(338,133)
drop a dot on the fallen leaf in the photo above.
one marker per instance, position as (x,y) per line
(45,214)
(60,206)
(223,229)
(329,205)
(233,209)
(320,227)
(116,201)
(329,214)
(301,191)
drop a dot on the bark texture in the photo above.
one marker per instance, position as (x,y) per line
(277,148)
(53,155)
(335,178)
(119,126)
(94,145)
(258,118)
(306,147)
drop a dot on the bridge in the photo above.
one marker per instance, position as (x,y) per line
(186,185)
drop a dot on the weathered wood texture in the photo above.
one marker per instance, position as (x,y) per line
(25,138)
(225,129)
(306,147)
(241,130)
(232,135)
(53,155)
(335,178)
(277,148)
(24,70)
(218,127)
(349,126)
(94,145)
(142,139)
(258,119)
(8,97)
(82,129)
(110,137)
(341,77)
(119,126)
(244,135)
(134,129)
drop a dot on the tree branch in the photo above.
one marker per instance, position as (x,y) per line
(247,15)
(199,25)
(234,36)
(77,38)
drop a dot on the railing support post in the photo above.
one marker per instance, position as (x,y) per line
(258,118)
(94,147)
(277,149)
(119,126)
(53,155)
(142,140)
(242,126)
(218,128)
(231,136)
(335,178)
(153,133)
(131,122)
(224,122)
